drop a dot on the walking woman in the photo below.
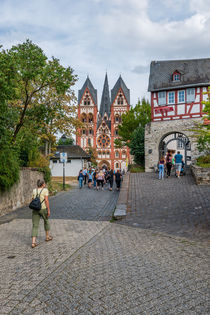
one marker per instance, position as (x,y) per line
(44,213)
(100,180)
(161,167)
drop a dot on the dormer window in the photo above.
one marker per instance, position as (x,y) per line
(176,76)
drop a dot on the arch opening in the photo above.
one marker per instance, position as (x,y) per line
(173,142)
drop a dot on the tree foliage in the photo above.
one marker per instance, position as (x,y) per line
(202,131)
(36,101)
(131,131)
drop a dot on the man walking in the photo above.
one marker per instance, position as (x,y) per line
(178,162)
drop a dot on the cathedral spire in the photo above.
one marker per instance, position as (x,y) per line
(105,99)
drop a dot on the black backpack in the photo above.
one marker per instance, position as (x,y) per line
(36,203)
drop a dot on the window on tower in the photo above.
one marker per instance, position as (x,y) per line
(83,131)
(116,154)
(120,100)
(116,132)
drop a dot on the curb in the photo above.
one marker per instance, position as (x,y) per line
(121,207)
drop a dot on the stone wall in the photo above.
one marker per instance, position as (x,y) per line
(155,131)
(201,175)
(20,194)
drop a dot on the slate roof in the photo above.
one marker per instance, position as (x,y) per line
(73,152)
(120,84)
(105,99)
(194,72)
(93,91)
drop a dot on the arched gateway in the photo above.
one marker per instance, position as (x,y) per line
(173,142)
(158,139)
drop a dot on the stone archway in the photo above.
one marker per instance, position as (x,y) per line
(174,142)
(156,132)
(104,164)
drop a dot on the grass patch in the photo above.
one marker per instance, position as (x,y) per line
(55,187)
(137,168)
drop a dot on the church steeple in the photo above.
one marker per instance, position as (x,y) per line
(105,99)
(88,85)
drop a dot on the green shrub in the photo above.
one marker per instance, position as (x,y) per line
(135,168)
(9,168)
(204,161)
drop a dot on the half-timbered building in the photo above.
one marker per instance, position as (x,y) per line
(177,91)
(101,127)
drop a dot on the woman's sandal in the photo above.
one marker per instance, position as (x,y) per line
(33,245)
(49,239)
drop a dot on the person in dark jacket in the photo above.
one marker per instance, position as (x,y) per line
(110,178)
(118,177)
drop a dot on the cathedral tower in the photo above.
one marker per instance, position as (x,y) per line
(101,128)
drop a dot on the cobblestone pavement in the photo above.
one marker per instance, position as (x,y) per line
(96,267)
(174,206)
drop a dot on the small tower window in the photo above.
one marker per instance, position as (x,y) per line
(116,154)
(83,131)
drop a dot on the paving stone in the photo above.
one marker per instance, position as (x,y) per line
(159,266)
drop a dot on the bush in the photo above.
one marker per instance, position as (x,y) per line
(9,168)
(204,161)
(135,168)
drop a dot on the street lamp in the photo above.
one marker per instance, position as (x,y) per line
(63,139)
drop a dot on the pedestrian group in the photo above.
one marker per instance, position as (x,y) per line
(169,162)
(99,177)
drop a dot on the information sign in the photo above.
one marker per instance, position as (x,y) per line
(63,157)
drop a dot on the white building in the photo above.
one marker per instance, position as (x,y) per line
(77,158)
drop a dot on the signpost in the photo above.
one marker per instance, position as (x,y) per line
(63,159)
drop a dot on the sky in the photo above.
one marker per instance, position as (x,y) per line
(120,37)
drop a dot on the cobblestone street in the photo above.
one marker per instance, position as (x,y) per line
(155,261)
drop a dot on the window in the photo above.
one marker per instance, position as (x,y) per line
(116,154)
(190,95)
(180,144)
(162,98)
(104,153)
(84,132)
(181,96)
(117,165)
(54,161)
(171,97)
(120,100)
(176,77)
(124,154)
(90,131)
(116,132)
(116,118)
(89,141)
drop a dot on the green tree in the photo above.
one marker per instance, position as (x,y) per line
(68,141)
(131,131)
(202,130)
(35,102)
(34,74)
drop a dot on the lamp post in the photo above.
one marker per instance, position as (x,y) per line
(63,139)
